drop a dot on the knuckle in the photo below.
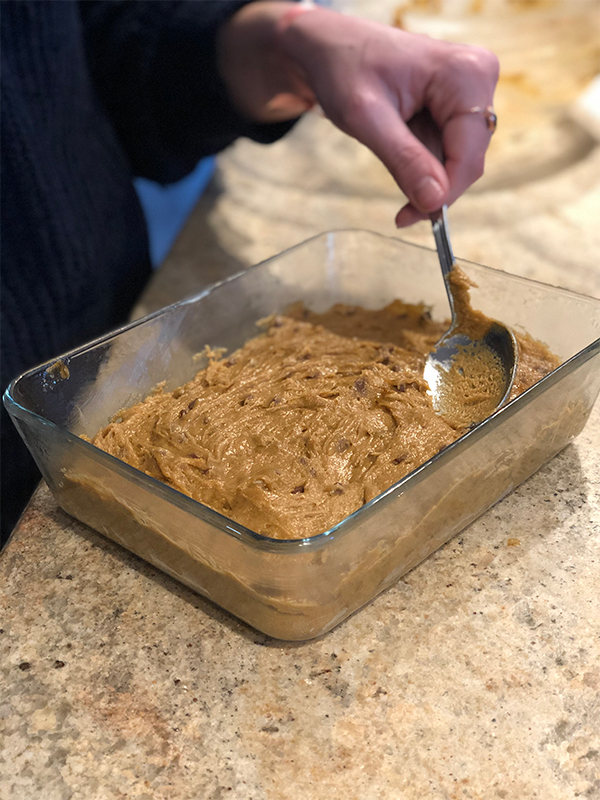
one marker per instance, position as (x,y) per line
(474,62)
(494,65)
(360,105)
(490,64)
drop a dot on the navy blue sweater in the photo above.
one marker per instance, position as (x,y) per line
(93,94)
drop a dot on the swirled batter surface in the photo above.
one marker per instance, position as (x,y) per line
(304,424)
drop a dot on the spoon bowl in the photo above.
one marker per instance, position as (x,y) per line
(469,376)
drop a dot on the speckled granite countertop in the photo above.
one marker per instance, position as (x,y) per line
(477,676)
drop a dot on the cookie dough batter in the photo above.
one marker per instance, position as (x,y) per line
(304,424)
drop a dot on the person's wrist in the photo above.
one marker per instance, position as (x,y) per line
(263,81)
(313,33)
(296,10)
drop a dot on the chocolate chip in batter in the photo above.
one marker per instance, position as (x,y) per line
(361,386)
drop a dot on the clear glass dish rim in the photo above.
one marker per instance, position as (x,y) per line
(246,535)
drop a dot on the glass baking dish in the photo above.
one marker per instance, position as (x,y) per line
(302,588)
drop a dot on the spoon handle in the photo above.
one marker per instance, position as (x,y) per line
(425,129)
(439,222)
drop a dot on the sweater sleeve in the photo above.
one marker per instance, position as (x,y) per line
(153,64)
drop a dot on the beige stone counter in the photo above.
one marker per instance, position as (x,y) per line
(477,676)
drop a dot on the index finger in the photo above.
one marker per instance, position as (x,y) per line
(466,138)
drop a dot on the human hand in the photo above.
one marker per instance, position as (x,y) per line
(371,80)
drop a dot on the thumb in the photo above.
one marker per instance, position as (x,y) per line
(418,173)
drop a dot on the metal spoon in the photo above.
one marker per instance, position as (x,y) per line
(459,361)
(497,346)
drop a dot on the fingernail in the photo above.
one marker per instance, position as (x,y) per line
(429,193)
